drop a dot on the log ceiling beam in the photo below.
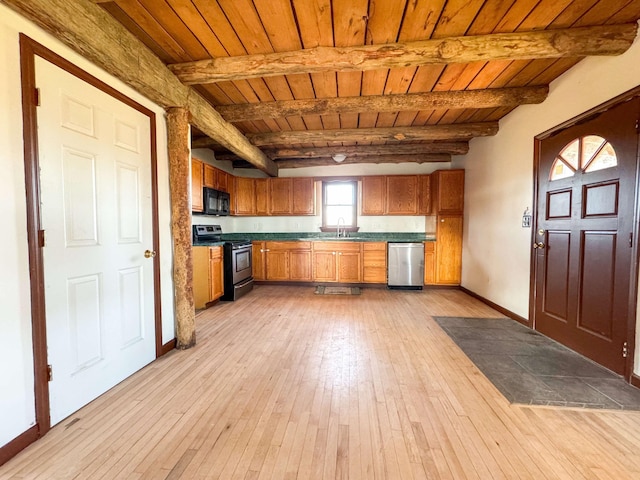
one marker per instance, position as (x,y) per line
(328,161)
(570,42)
(490,98)
(461,131)
(451,148)
(96,35)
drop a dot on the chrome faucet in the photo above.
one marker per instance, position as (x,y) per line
(338,235)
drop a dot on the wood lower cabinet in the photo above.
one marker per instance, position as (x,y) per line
(282,261)
(337,262)
(208,275)
(374,262)
(429,263)
(259,260)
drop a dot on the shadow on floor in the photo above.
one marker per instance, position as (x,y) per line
(529,368)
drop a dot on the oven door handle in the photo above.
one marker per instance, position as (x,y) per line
(242,284)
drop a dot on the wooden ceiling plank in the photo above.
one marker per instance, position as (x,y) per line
(488,98)
(572,13)
(377,159)
(315,24)
(383,26)
(146,21)
(410,134)
(456,17)
(543,14)
(350,24)
(576,42)
(198,25)
(94,34)
(137,31)
(627,14)
(601,12)
(176,28)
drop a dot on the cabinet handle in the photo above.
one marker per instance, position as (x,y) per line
(333,253)
(340,253)
(267,250)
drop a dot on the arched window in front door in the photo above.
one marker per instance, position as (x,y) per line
(586,154)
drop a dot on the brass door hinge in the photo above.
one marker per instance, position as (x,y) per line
(49,373)
(625,350)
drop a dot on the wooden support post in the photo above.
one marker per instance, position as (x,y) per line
(179,184)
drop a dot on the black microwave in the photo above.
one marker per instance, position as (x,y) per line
(216,202)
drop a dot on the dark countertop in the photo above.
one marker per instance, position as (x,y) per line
(318,236)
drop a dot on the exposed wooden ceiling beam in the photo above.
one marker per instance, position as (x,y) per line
(571,42)
(490,98)
(328,161)
(451,148)
(462,131)
(95,34)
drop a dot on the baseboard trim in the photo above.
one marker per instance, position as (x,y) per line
(635,380)
(167,347)
(18,444)
(497,307)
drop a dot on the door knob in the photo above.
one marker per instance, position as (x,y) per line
(538,245)
(149,253)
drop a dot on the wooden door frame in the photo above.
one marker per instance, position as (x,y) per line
(633,281)
(29,49)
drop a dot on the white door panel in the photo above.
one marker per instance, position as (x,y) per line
(95,181)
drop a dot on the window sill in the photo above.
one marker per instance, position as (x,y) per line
(343,229)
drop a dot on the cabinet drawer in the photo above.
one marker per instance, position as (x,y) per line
(277,246)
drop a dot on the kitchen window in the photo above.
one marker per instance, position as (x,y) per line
(339,205)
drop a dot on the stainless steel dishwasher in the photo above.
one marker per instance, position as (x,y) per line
(405,265)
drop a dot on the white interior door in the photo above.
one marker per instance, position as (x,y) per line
(95,190)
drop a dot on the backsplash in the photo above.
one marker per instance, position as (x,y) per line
(409,224)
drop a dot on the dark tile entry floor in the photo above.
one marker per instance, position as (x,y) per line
(529,368)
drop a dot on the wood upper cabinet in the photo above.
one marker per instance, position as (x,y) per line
(402,195)
(425,203)
(261,196)
(244,194)
(448,245)
(337,262)
(303,195)
(222,181)
(391,195)
(373,195)
(447,191)
(374,262)
(210,179)
(197,201)
(280,196)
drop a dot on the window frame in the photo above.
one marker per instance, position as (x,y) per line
(354,205)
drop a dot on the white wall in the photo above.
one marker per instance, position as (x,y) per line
(16,359)
(499,179)
(399,223)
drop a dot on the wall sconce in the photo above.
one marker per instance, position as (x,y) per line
(338,157)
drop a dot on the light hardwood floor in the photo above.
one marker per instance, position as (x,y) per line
(286,384)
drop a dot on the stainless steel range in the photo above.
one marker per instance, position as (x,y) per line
(238,268)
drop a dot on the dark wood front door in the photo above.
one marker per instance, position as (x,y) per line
(583,246)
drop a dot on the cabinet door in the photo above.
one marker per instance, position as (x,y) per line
(424,195)
(280,196)
(245,196)
(222,180)
(349,267)
(325,266)
(429,263)
(449,249)
(448,186)
(262,196)
(197,202)
(402,195)
(303,196)
(200,276)
(259,261)
(209,176)
(300,265)
(374,262)
(373,192)
(216,273)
